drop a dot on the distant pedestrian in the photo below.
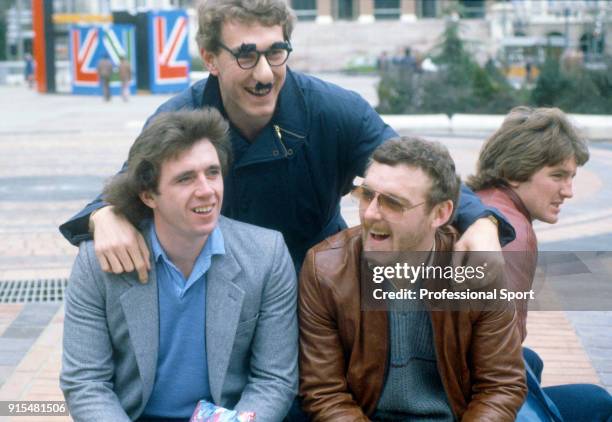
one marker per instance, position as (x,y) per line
(528,71)
(408,61)
(382,62)
(125,75)
(29,70)
(105,71)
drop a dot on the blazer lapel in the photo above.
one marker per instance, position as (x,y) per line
(223,307)
(141,310)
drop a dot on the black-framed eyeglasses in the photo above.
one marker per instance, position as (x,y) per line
(247,56)
(387,204)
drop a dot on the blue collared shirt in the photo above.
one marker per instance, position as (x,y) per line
(181,378)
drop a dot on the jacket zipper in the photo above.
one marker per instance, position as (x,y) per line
(291,133)
(277,129)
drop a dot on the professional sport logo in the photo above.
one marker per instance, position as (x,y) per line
(88,44)
(170,55)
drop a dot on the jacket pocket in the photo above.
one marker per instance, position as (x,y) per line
(247,325)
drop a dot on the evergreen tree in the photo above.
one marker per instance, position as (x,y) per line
(3,29)
(459,86)
(551,85)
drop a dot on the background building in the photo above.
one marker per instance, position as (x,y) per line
(340,34)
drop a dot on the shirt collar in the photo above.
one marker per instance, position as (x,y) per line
(215,245)
(518,202)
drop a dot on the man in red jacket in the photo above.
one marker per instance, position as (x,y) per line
(526,171)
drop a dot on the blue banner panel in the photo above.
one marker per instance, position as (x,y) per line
(88,44)
(169,59)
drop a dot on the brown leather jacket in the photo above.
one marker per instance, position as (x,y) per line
(520,255)
(344,351)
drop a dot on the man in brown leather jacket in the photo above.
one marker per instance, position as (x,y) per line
(387,365)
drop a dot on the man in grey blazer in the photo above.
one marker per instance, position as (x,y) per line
(217,321)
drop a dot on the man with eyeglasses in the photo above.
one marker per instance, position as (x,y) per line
(298,142)
(402,359)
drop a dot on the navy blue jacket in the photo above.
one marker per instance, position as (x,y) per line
(292,176)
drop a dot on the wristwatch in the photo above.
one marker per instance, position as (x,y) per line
(493,219)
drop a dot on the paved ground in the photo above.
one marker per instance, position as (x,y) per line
(56,152)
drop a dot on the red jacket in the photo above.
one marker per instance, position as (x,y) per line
(521,255)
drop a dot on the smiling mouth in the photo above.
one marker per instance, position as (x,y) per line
(259,92)
(379,235)
(203,210)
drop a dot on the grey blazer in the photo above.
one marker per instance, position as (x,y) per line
(111,331)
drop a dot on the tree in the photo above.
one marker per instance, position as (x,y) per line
(459,86)
(4,6)
(575,90)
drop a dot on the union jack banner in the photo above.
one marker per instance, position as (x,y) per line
(88,44)
(169,59)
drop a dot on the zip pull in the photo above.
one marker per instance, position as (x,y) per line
(277,129)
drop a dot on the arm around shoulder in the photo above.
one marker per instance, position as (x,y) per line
(471,208)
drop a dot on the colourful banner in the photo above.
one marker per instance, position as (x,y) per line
(169,60)
(88,44)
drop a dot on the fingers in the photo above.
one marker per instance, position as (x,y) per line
(104,265)
(144,250)
(140,258)
(115,264)
(125,259)
(108,261)
(119,246)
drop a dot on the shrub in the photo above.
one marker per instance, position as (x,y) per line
(459,86)
(576,90)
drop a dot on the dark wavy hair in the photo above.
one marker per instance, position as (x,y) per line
(213,13)
(164,138)
(528,139)
(431,157)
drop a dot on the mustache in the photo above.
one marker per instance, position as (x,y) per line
(263,87)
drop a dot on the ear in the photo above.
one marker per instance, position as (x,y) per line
(441,213)
(513,184)
(210,61)
(148,199)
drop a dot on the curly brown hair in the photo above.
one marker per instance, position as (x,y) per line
(213,13)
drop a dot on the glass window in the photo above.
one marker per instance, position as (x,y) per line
(387,9)
(306,10)
(472,9)
(343,9)
(429,8)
